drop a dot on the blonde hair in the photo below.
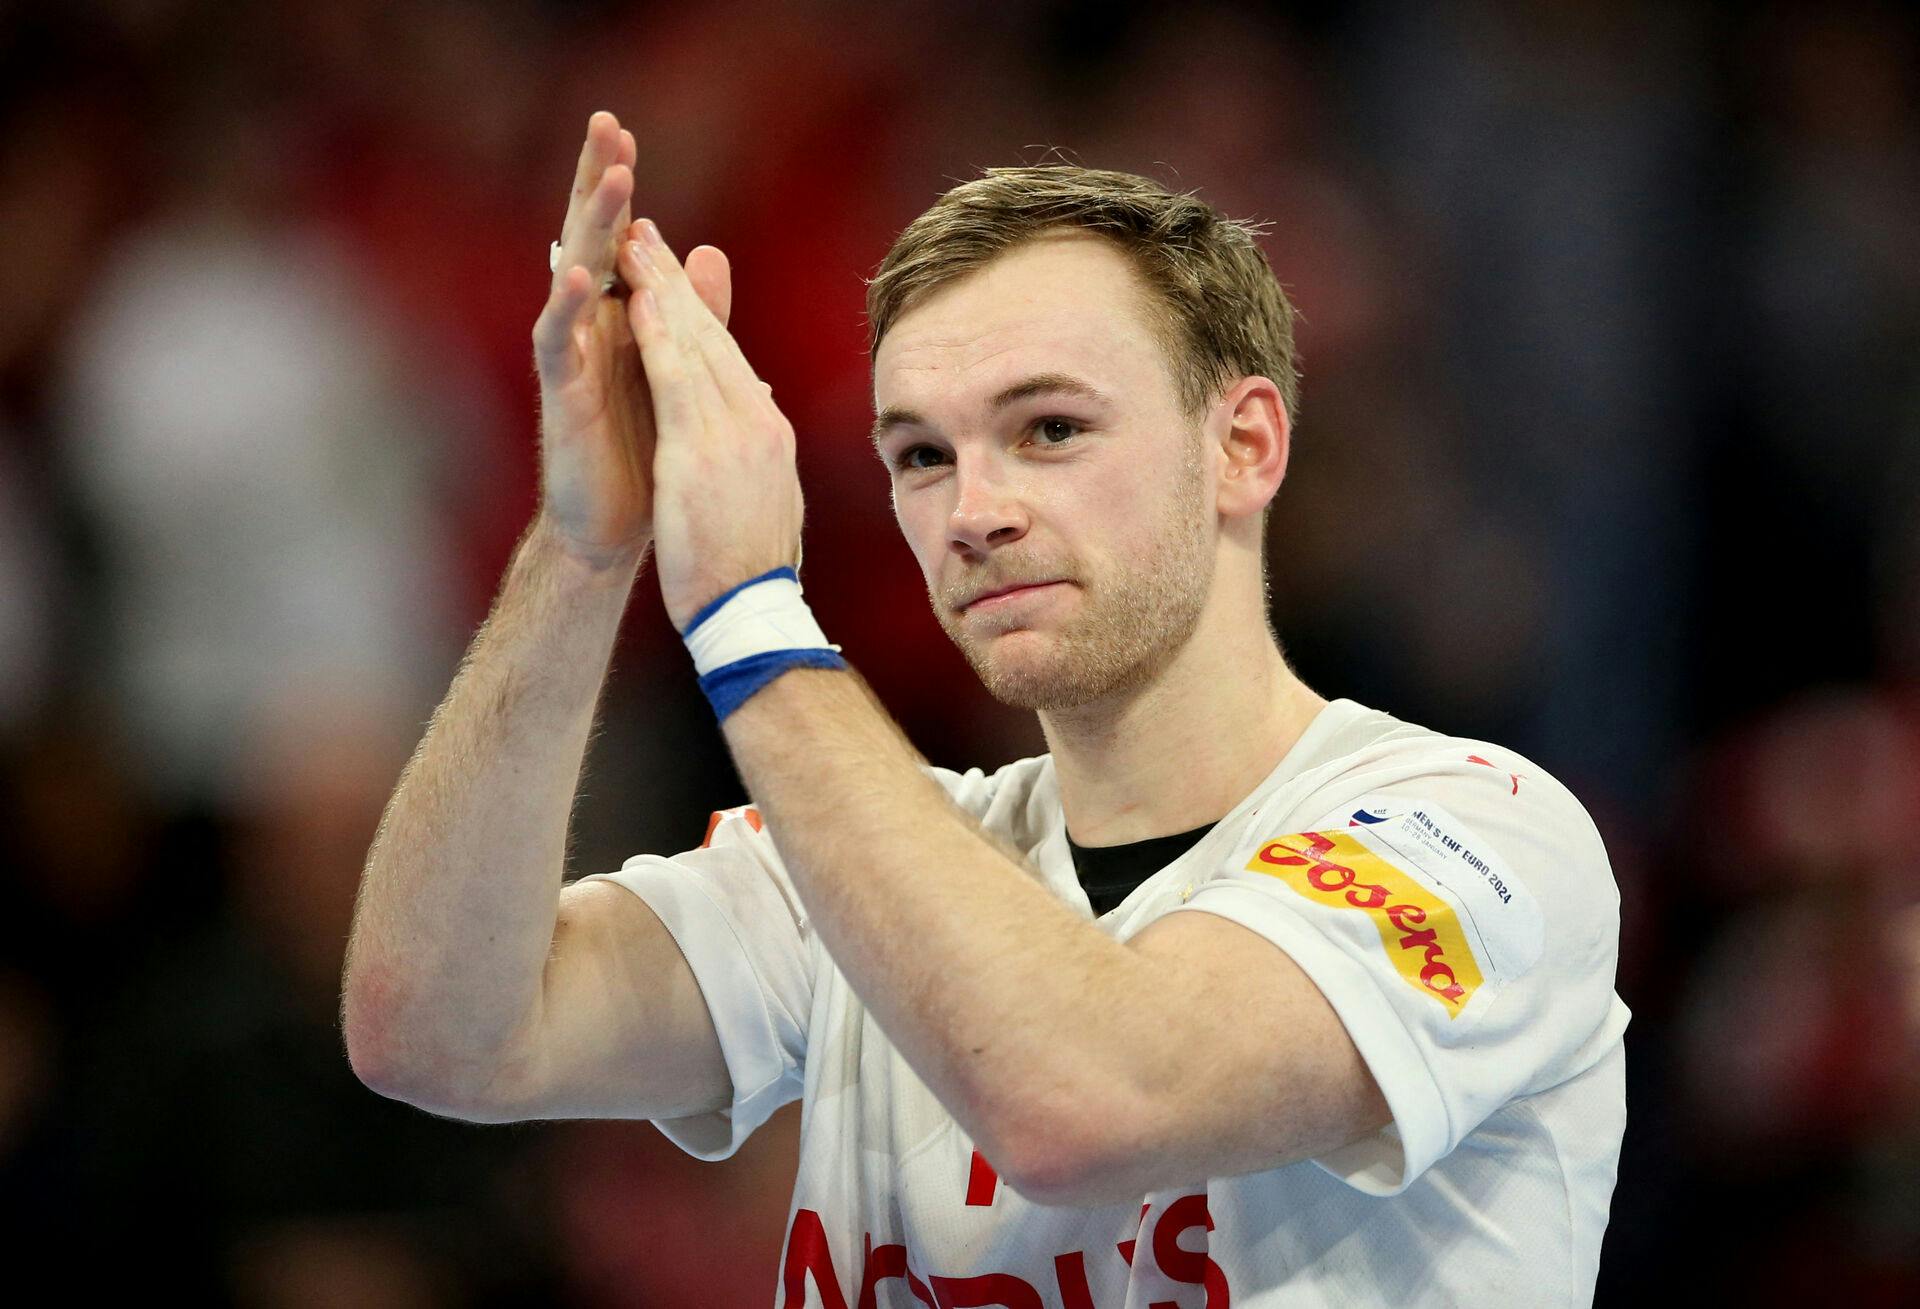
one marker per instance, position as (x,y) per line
(1220,313)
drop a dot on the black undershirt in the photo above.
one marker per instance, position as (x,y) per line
(1108,873)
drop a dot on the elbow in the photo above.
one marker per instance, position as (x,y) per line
(1069,1176)
(374,1049)
(1058,1180)
(435,1088)
(1071,1157)
(378,1059)
(374,1060)
(389,1066)
(369,1049)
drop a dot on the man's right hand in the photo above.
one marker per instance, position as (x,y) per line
(596,417)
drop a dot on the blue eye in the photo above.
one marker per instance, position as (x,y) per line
(910,457)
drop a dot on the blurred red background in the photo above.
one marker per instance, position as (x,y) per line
(1609,451)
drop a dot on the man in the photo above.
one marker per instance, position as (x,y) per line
(1234,997)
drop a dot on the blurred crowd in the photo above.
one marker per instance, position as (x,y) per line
(1609,451)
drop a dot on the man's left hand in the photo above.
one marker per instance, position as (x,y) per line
(726,499)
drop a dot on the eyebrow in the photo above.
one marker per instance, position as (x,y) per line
(1025,389)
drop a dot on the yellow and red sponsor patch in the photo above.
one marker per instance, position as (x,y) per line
(1418,928)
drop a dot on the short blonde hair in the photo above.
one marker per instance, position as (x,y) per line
(1222,315)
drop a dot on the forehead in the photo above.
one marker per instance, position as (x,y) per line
(1068,302)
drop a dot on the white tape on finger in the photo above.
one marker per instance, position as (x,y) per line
(553,266)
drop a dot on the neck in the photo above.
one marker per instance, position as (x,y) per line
(1181,751)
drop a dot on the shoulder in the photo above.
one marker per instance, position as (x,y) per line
(1462,867)
(1412,813)
(1376,761)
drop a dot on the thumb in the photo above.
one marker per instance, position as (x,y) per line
(712,278)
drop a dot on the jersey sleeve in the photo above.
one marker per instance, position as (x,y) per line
(1464,924)
(735,915)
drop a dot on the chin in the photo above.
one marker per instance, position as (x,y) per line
(1024,670)
(1035,693)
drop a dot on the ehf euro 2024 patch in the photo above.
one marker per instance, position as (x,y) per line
(1452,918)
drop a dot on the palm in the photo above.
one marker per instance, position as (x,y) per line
(597,437)
(596,415)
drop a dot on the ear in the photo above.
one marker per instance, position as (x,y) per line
(1249,423)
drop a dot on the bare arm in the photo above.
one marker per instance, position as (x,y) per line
(475,986)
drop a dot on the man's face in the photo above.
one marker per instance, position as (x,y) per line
(1052,490)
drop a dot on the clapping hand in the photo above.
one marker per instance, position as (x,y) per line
(596,416)
(726,495)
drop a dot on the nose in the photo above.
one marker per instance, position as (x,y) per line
(986,510)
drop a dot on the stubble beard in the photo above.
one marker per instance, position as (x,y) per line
(1131,623)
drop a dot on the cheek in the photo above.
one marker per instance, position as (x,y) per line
(920,524)
(1118,508)
(1138,519)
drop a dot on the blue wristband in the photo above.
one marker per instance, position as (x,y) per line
(728,688)
(750,634)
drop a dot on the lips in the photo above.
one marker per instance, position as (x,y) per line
(1014,589)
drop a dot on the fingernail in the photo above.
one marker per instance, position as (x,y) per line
(649,233)
(640,256)
(651,305)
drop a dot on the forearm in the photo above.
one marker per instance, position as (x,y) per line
(990,987)
(458,902)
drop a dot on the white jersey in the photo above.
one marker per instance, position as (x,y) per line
(1452,901)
